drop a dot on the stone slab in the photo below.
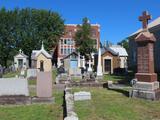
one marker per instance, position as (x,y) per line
(42,100)
(149,95)
(71,118)
(31,73)
(82,95)
(44,84)
(13,86)
(147,86)
(16,100)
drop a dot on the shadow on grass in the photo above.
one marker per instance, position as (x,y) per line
(124,92)
(64,107)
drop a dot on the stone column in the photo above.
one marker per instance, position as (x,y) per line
(99,66)
(79,61)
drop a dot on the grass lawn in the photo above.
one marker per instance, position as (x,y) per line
(112,105)
(11,74)
(35,111)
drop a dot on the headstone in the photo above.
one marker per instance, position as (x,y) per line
(22,74)
(147,85)
(99,66)
(31,73)
(13,86)
(82,95)
(89,68)
(44,84)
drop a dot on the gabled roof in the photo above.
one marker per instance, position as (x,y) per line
(21,54)
(36,53)
(151,25)
(75,53)
(119,49)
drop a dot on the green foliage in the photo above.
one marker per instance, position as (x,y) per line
(125,44)
(84,42)
(25,29)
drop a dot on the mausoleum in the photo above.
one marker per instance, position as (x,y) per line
(41,60)
(20,61)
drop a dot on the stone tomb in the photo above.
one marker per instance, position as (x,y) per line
(14,91)
(82,95)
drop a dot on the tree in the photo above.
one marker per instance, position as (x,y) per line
(84,42)
(26,29)
(124,43)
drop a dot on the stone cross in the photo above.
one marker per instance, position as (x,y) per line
(89,68)
(144,18)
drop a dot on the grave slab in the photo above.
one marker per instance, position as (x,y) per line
(13,86)
(82,95)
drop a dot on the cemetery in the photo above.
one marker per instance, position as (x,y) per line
(68,73)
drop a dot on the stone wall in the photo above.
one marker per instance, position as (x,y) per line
(69,100)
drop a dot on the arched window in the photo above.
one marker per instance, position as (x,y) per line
(41,65)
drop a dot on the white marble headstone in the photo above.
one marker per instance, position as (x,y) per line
(82,95)
(13,86)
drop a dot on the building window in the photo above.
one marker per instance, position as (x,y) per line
(93,32)
(64,50)
(61,50)
(65,41)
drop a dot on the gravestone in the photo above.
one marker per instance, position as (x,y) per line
(147,85)
(31,73)
(82,95)
(14,91)
(44,84)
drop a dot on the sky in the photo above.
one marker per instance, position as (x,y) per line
(117,18)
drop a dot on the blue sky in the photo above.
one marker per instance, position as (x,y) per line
(118,18)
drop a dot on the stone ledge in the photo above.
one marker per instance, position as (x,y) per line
(148,95)
(42,100)
(146,86)
(15,99)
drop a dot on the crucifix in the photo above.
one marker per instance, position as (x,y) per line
(144,18)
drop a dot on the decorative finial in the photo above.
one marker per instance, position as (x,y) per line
(42,47)
(20,51)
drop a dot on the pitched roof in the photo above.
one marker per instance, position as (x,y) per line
(75,53)
(119,49)
(153,24)
(104,50)
(35,53)
(21,54)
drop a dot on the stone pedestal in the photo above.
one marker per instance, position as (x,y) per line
(146,90)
